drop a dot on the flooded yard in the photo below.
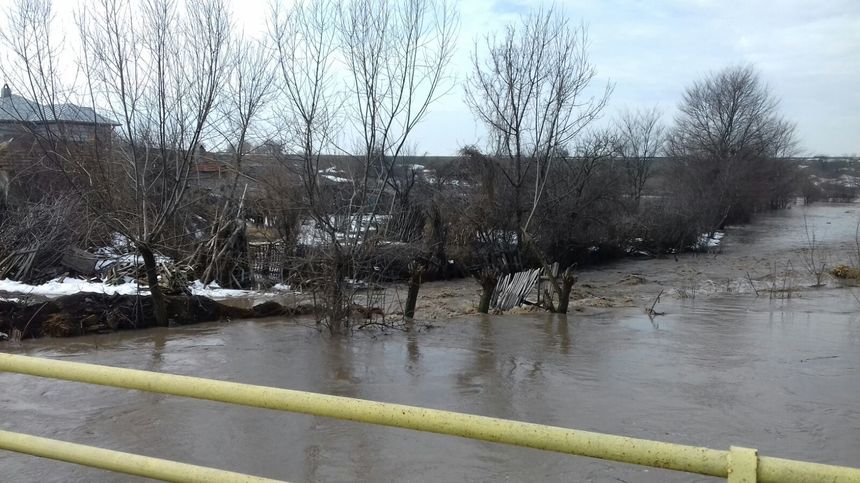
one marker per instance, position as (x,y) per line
(721,367)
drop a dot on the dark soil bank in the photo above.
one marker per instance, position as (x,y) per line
(86,313)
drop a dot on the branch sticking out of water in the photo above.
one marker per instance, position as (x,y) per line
(818,358)
(752,284)
(650,310)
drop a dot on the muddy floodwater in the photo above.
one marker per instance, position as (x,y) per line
(722,366)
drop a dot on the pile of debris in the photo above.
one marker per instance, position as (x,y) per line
(34,239)
(129,268)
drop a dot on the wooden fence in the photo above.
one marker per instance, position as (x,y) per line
(267,260)
(513,289)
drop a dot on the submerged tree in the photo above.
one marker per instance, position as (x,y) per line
(529,88)
(726,145)
(394,58)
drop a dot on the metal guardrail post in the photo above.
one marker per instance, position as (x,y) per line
(742,465)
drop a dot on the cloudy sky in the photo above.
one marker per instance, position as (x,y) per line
(807,51)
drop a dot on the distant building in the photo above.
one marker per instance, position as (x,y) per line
(30,131)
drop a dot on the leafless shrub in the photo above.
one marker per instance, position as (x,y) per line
(394,55)
(781,281)
(814,256)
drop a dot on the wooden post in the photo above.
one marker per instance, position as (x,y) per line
(416,271)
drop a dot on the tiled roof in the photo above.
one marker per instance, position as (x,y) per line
(14,108)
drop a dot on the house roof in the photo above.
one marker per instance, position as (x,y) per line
(14,108)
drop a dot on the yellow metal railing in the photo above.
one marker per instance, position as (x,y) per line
(130,464)
(737,464)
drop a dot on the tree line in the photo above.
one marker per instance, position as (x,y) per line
(355,78)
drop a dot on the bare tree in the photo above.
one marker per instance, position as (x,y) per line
(727,136)
(305,39)
(43,219)
(249,89)
(813,254)
(394,56)
(529,87)
(159,69)
(33,62)
(641,138)
(36,68)
(582,193)
(247,92)
(397,54)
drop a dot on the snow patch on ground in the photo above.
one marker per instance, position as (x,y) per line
(334,175)
(122,251)
(68,286)
(214,291)
(708,240)
(335,179)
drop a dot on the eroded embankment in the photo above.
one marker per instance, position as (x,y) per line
(86,313)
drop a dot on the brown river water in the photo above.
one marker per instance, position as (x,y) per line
(725,367)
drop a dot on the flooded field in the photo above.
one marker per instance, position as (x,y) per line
(722,366)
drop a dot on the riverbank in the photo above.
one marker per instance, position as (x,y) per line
(722,368)
(780,376)
(770,258)
(90,312)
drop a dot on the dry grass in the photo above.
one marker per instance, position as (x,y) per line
(844,272)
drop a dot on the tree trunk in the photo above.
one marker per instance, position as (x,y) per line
(337,310)
(417,271)
(488,279)
(159,306)
(567,281)
(436,243)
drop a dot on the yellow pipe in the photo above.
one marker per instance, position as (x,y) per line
(690,459)
(617,448)
(130,464)
(792,471)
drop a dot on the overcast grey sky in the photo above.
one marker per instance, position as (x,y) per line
(807,51)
